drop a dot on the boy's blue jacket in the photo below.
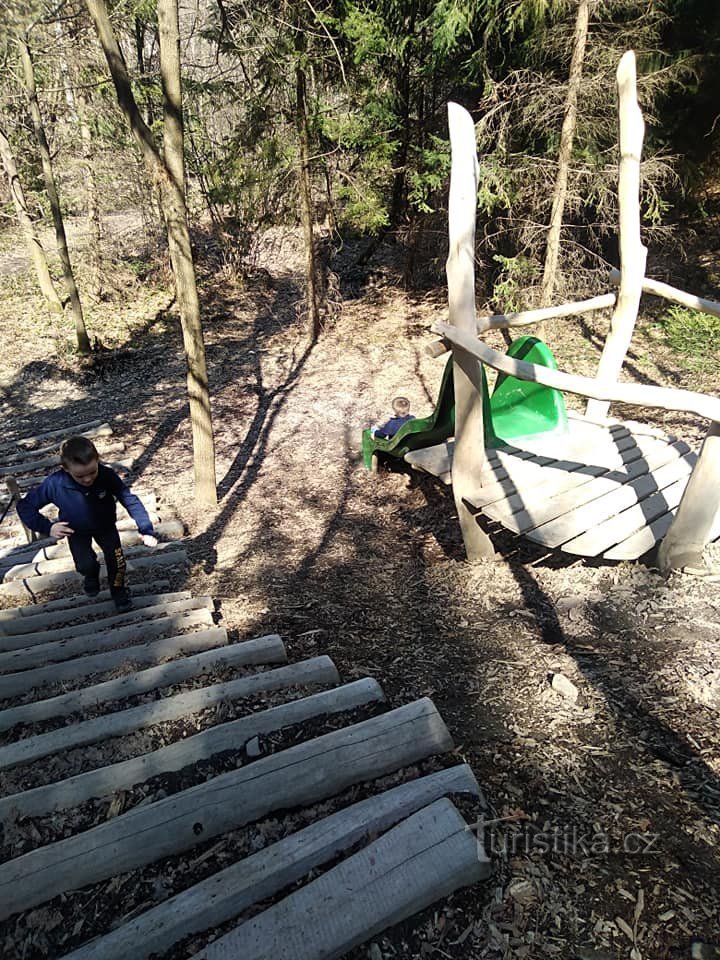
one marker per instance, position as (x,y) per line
(86,509)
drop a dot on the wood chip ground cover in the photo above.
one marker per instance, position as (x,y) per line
(604,811)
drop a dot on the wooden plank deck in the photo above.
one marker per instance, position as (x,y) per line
(602,490)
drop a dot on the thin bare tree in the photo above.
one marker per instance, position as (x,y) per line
(166,170)
(75,305)
(35,247)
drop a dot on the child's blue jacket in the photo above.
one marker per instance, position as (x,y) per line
(86,509)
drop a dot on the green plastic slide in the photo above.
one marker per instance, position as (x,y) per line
(517,410)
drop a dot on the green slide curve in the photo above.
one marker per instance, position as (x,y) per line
(517,409)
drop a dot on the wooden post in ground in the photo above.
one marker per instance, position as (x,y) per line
(690,531)
(632,253)
(469,454)
(14,490)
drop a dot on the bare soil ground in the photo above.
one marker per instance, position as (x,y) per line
(604,812)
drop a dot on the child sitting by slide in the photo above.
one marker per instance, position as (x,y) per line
(401,415)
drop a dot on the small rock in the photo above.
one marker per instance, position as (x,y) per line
(252,747)
(565,687)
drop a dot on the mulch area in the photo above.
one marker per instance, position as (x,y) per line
(603,788)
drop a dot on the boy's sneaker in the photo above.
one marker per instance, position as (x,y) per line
(123,601)
(91,586)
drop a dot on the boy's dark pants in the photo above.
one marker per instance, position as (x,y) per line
(86,561)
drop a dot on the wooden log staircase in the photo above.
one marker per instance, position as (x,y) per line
(165,724)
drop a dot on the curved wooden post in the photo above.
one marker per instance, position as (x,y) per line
(632,253)
(698,511)
(469,453)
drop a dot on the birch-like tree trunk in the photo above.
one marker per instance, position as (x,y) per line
(35,247)
(567,136)
(167,174)
(76,311)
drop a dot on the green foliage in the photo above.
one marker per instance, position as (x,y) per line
(429,174)
(694,335)
(516,274)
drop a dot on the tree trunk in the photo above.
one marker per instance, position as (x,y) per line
(75,306)
(306,206)
(566,143)
(175,215)
(37,254)
(92,204)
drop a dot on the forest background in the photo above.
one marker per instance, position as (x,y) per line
(333,114)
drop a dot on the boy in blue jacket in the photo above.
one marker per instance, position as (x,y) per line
(85,492)
(401,415)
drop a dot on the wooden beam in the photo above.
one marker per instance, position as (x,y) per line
(71,671)
(632,253)
(89,611)
(664,290)
(690,531)
(423,859)
(469,456)
(30,610)
(132,619)
(303,774)
(502,321)
(320,671)
(637,394)
(261,875)
(126,774)
(269,649)
(71,647)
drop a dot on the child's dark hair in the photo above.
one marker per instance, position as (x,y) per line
(78,450)
(401,406)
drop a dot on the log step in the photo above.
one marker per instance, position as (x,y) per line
(303,774)
(126,774)
(76,600)
(261,875)
(70,671)
(269,649)
(319,671)
(86,609)
(426,857)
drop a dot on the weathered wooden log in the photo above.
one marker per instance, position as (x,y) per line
(227,736)
(269,649)
(58,617)
(77,600)
(132,619)
(261,875)
(65,562)
(637,394)
(699,508)
(423,859)
(667,292)
(90,638)
(632,252)
(303,774)
(503,321)
(32,586)
(470,459)
(320,671)
(15,684)
(103,445)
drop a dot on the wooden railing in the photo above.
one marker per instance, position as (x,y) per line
(698,512)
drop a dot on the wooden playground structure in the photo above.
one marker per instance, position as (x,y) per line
(594,486)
